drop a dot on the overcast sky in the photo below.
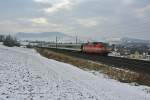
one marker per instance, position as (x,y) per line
(91,18)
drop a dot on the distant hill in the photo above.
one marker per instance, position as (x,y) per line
(41,35)
(51,37)
(45,36)
(126,40)
(133,40)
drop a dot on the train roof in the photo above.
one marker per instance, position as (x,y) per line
(94,43)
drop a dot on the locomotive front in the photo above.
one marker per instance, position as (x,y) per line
(95,48)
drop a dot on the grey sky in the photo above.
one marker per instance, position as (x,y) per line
(91,18)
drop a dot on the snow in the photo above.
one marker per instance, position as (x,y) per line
(25,75)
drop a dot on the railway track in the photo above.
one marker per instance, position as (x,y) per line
(130,64)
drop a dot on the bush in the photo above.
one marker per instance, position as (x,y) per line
(10,41)
(2,37)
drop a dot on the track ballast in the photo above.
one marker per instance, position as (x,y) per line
(124,63)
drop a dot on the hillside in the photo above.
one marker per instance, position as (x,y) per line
(127,40)
(51,37)
(25,75)
(46,36)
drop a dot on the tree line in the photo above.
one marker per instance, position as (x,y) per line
(9,40)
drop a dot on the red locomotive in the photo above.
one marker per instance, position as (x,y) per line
(95,48)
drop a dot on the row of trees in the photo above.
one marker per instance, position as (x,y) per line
(9,40)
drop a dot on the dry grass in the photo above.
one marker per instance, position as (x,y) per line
(114,73)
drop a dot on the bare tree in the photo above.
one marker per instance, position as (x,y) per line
(10,41)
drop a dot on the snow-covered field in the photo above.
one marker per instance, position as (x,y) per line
(25,75)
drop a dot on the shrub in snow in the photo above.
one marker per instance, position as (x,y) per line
(2,37)
(10,41)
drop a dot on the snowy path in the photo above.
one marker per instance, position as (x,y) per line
(25,75)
